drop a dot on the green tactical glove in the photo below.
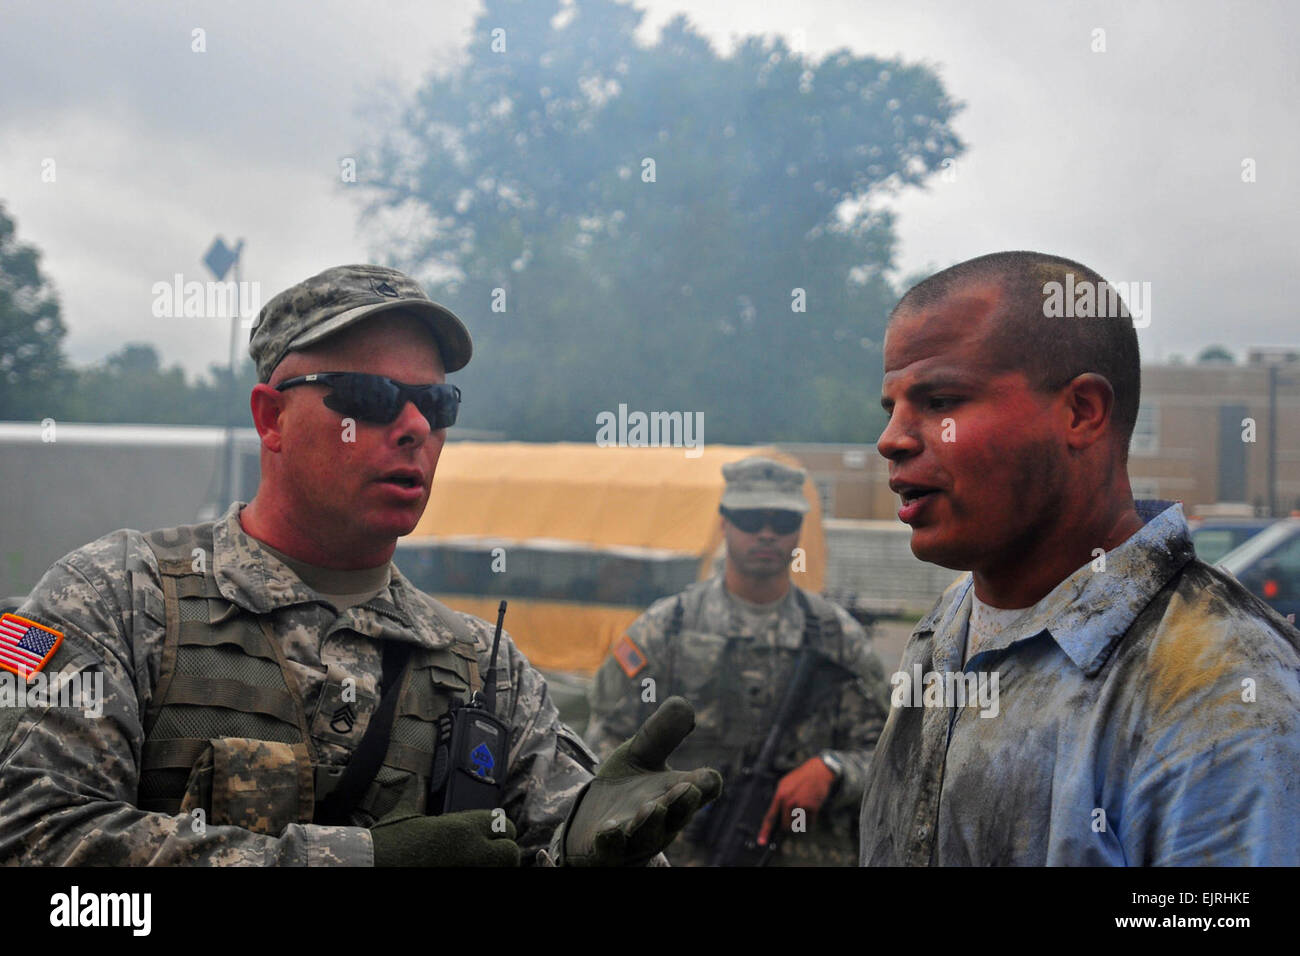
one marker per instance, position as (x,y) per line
(465,838)
(636,805)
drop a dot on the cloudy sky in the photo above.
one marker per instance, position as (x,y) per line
(1130,159)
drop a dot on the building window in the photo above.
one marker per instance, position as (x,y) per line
(826,492)
(1145,487)
(1146,431)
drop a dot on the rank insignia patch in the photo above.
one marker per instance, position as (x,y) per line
(25,646)
(629,656)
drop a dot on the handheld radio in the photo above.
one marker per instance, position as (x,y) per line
(469,764)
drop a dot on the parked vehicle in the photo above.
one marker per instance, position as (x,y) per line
(1215,537)
(1269,565)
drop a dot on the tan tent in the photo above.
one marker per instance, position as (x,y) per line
(612,506)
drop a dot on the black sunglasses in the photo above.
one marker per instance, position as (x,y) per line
(373,398)
(752,520)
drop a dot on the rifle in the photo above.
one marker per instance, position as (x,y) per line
(734,831)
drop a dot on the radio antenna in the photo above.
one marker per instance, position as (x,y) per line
(490,684)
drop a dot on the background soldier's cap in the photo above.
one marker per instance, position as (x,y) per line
(763,483)
(328,303)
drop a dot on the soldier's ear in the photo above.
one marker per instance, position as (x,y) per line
(267,405)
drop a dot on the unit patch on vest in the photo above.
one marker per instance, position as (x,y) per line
(25,646)
(629,656)
(482,760)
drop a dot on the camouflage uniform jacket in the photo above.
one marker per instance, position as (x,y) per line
(735,678)
(1146,714)
(69,782)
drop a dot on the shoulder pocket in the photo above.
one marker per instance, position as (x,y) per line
(569,743)
(449,685)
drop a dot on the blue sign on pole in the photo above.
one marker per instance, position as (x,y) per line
(219,258)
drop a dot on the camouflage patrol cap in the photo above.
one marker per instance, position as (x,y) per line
(763,483)
(337,298)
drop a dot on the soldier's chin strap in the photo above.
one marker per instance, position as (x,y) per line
(336,808)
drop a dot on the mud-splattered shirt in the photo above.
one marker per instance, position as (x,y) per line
(1145,714)
(69,778)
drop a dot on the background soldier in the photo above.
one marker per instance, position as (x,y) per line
(247,661)
(730,645)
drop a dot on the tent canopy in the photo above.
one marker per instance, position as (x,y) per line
(599,498)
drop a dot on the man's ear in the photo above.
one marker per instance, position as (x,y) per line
(1090,402)
(267,405)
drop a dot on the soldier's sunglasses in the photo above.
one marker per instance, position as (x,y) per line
(373,398)
(752,520)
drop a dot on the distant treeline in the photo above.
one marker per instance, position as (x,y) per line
(652,225)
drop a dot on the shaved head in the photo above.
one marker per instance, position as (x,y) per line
(1050,349)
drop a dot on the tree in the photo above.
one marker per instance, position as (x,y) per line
(33,372)
(132,386)
(1215,355)
(664,226)
(215,401)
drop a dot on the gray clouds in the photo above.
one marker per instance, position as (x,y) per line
(1129,160)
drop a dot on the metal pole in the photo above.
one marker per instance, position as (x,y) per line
(230,483)
(1272,441)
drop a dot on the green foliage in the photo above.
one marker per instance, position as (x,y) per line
(1215,355)
(33,374)
(674,294)
(129,386)
(132,386)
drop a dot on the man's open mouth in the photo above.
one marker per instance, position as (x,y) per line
(915,499)
(910,493)
(402,480)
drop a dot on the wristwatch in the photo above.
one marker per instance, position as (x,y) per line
(834,762)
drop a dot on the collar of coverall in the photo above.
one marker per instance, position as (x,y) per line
(1088,612)
(253,578)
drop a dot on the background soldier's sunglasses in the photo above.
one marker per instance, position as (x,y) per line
(752,520)
(373,398)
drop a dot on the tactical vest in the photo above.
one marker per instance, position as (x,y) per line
(832,840)
(226,731)
(735,743)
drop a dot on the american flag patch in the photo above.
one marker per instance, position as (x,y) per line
(629,656)
(25,646)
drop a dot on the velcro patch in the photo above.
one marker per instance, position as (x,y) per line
(25,646)
(629,656)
